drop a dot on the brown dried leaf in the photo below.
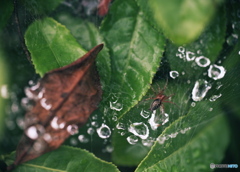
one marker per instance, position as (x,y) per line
(64,98)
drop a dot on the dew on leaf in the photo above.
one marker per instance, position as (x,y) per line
(139,129)
(120,126)
(216,72)
(34,131)
(144,113)
(132,139)
(200,89)
(202,61)
(148,142)
(90,131)
(44,104)
(173,74)
(104,131)
(72,129)
(83,139)
(190,56)
(214,97)
(115,105)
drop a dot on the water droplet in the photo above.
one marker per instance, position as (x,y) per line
(139,129)
(39,145)
(34,131)
(114,118)
(34,87)
(104,131)
(173,135)
(95,117)
(122,133)
(47,137)
(54,123)
(90,131)
(156,120)
(40,94)
(200,90)
(27,103)
(132,139)
(202,61)
(199,52)
(214,97)
(21,123)
(216,72)
(162,139)
(210,109)
(73,141)
(232,39)
(181,49)
(109,148)
(44,104)
(4,92)
(144,114)
(120,126)
(94,124)
(116,106)
(72,129)
(190,56)
(193,104)
(173,74)
(83,139)
(148,142)
(183,131)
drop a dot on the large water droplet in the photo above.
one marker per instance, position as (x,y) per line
(72,129)
(200,90)
(202,61)
(132,139)
(47,137)
(144,114)
(104,131)
(139,129)
(34,131)
(173,74)
(216,72)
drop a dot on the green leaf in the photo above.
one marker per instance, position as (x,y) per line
(51,45)
(6,9)
(67,159)
(41,7)
(181,21)
(88,36)
(206,48)
(188,149)
(135,51)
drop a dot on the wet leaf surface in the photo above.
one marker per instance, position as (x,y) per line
(64,98)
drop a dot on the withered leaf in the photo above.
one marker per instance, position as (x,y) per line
(64,98)
(103,7)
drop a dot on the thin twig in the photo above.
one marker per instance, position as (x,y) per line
(20,33)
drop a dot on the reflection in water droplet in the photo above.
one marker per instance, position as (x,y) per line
(139,129)
(83,139)
(200,90)
(34,131)
(72,129)
(202,61)
(173,74)
(214,97)
(216,72)
(144,114)
(90,131)
(190,56)
(132,139)
(104,131)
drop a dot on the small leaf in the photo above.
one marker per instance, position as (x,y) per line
(46,40)
(67,159)
(64,99)
(181,21)
(135,50)
(88,36)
